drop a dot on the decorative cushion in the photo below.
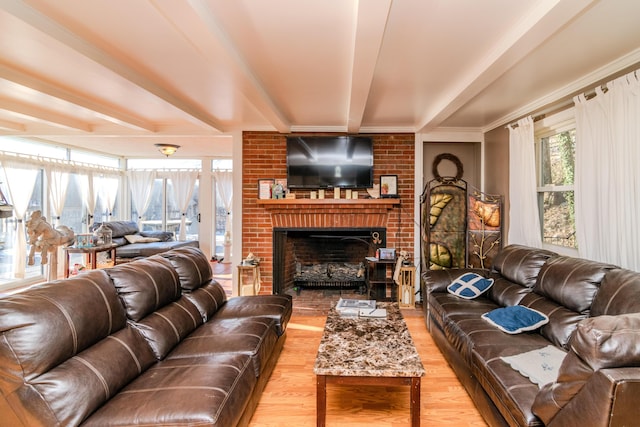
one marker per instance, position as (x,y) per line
(136,238)
(469,286)
(540,366)
(515,319)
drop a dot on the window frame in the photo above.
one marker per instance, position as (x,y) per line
(562,121)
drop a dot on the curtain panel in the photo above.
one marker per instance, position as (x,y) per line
(183,185)
(607,179)
(21,178)
(58,183)
(141,184)
(224,185)
(524,221)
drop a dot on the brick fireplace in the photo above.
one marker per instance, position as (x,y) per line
(307,258)
(264,156)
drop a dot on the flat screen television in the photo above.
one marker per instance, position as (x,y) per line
(329,161)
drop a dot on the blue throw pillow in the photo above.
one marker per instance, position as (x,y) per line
(516,319)
(469,286)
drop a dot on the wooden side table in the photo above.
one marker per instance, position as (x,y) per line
(379,277)
(406,290)
(91,252)
(252,284)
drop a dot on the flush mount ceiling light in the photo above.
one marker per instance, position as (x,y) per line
(167,149)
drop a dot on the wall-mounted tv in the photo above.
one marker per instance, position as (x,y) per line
(329,161)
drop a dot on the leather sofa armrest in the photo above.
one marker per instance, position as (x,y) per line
(438,280)
(609,398)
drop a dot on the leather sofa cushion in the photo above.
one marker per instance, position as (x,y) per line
(134,250)
(208,299)
(145,285)
(512,392)
(164,236)
(573,375)
(77,387)
(90,352)
(212,391)
(118,228)
(505,292)
(255,337)
(599,342)
(571,282)
(446,306)
(64,316)
(521,264)
(192,266)
(619,293)
(609,341)
(277,307)
(562,322)
(166,327)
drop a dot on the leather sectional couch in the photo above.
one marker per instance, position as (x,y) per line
(127,251)
(593,312)
(150,342)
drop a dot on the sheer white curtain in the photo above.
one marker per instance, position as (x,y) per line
(107,188)
(607,178)
(224,185)
(58,183)
(86,182)
(21,177)
(183,185)
(141,184)
(524,222)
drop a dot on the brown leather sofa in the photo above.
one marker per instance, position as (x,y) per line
(126,251)
(594,315)
(150,342)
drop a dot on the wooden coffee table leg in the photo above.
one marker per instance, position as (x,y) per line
(321,400)
(415,401)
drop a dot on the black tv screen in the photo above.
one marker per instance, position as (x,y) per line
(329,161)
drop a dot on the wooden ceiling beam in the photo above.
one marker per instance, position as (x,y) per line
(40,114)
(370,25)
(541,23)
(107,112)
(12,126)
(85,47)
(253,89)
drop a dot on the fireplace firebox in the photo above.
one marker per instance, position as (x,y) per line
(323,257)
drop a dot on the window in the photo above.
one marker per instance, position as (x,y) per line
(555,164)
(74,213)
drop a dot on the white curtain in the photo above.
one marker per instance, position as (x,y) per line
(607,179)
(524,222)
(224,185)
(21,177)
(107,188)
(86,182)
(141,184)
(58,183)
(183,185)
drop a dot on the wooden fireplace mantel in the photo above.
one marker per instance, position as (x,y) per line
(352,203)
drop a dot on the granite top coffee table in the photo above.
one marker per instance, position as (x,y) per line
(368,351)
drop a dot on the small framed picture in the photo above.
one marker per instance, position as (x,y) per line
(389,186)
(264,188)
(387,254)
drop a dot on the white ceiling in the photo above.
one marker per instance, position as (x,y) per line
(118,76)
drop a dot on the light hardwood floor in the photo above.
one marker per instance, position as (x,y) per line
(289,398)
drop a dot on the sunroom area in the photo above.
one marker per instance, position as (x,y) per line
(78,188)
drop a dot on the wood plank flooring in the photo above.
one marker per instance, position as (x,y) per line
(289,398)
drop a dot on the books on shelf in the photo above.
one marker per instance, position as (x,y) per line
(359,308)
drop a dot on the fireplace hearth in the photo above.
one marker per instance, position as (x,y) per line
(323,257)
